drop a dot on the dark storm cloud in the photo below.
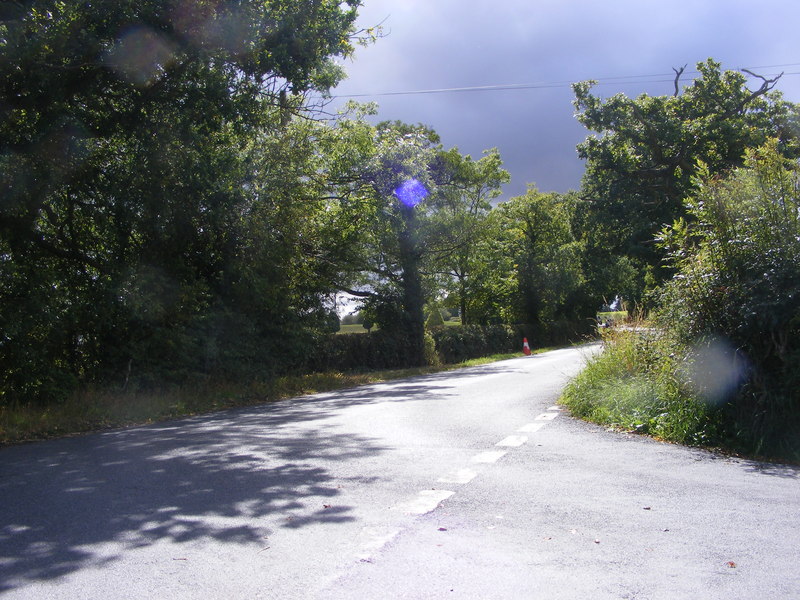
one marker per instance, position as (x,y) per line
(434,44)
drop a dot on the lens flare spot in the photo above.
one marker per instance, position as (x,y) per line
(411,192)
(716,371)
(140,56)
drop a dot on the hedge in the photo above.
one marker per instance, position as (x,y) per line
(380,350)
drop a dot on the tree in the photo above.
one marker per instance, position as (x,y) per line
(134,191)
(408,209)
(543,276)
(378,178)
(457,222)
(434,319)
(642,163)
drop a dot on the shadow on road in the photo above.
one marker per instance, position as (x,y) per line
(75,503)
(774,469)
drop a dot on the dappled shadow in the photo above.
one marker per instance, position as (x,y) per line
(773,469)
(232,477)
(429,387)
(179,482)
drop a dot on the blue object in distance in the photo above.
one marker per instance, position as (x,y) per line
(411,192)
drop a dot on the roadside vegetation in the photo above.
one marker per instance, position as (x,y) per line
(717,365)
(635,384)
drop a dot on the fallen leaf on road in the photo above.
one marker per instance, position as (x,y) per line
(442,528)
(646,508)
(326,505)
(731,564)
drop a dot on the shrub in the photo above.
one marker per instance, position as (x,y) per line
(636,384)
(737,280)
(457,344)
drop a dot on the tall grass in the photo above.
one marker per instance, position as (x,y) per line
(635,385)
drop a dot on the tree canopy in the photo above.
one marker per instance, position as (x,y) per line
(642,163)
(151,183)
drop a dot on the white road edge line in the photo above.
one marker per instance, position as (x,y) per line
(460,476)
(513,441)
(489,456)
(425,502)
(531,427)
(546,416)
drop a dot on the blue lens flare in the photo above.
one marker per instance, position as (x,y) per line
(411,192)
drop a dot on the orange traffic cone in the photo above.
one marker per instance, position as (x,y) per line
(526,349)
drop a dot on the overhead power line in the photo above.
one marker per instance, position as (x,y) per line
(618,80)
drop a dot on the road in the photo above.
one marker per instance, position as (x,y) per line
(468,484)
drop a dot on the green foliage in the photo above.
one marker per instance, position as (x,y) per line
(457,344)
(643,161)
(384,350)
(356,318)
(534,263)
(359,352)
(721,367)
(633,384)
(157,209)
(737,279)
(432,357)
(456,230)
(403,254)
(434,319)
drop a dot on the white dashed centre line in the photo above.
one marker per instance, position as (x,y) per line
(375,538)
(460,476)
(547,416)
(531,427)
(425,502)
(489,456)
(512,441)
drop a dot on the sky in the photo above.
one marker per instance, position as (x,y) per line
(630,46)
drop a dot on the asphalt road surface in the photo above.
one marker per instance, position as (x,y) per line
(469,484)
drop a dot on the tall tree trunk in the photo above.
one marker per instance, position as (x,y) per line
(462,300)
(413,301)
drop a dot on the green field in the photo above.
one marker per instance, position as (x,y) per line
(358,328)
(614,316)
(353,328)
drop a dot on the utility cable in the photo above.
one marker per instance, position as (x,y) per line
(616,80)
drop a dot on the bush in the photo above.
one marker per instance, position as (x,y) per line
(738,281)
(457,344)
(635,384)
(357,351)
(382,350)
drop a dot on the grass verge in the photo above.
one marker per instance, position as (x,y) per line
(94,410)
(634,385)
